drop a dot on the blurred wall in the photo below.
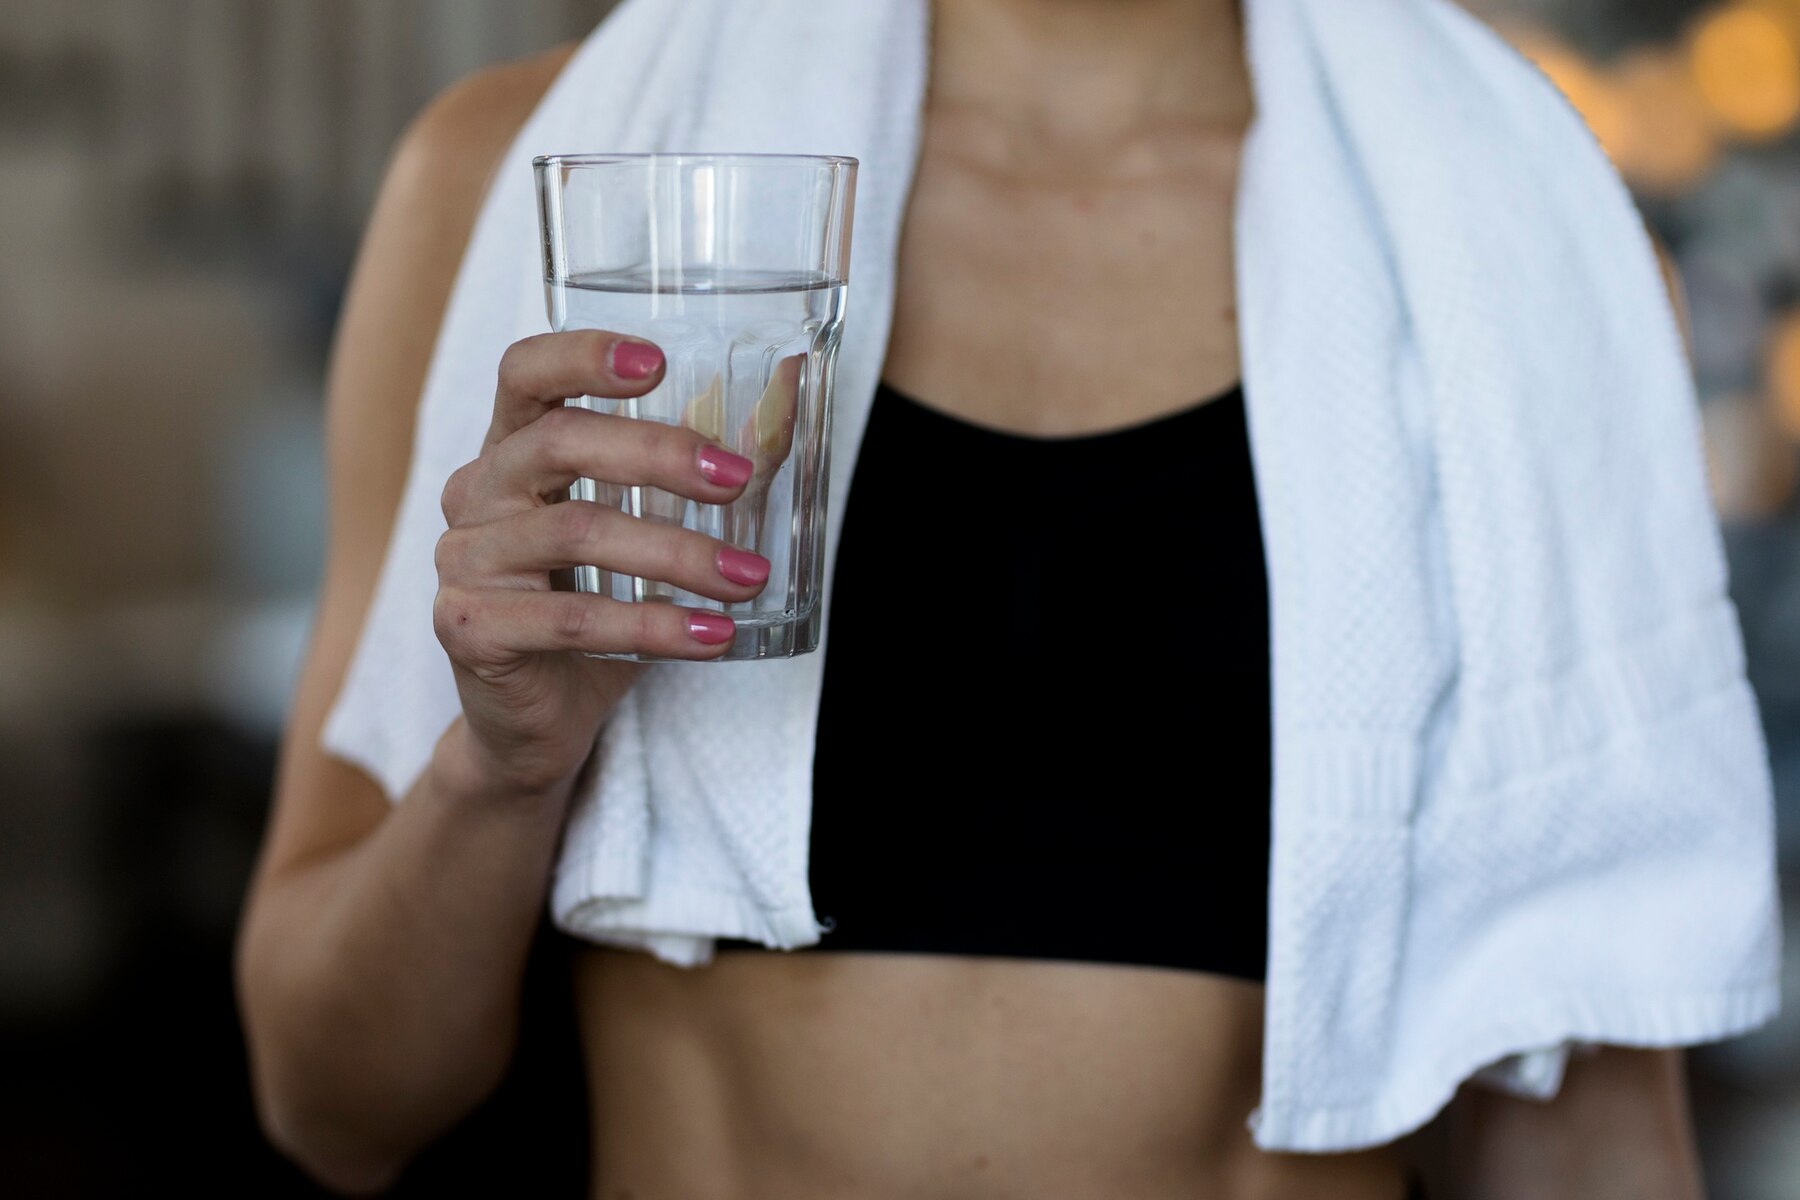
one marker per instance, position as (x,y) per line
(182,184)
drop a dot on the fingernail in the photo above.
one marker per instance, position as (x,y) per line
(723,467)
(711,628)
(635,360)
(741,566)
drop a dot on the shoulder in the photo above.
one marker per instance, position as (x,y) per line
(452,145)
(432,190)
(437,177)
(486,107)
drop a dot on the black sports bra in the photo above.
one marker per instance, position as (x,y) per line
(1044,729)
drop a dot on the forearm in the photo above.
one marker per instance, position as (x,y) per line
(1618,1129)
(382,982)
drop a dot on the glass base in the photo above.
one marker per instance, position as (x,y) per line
(757,637)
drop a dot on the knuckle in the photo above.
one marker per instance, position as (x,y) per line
(459,619)
(686,555)
(561,420)
(542,444)
(596,346)
(451,617)
(673,450)
(514,358)
(649,621)
(448,552)
(572,618)
(454,499)
(575,524)
(558,440)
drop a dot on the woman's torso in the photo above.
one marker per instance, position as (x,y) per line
(1051,309)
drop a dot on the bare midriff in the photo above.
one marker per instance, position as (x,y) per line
(869,1076)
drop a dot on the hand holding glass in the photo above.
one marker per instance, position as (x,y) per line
(736,267)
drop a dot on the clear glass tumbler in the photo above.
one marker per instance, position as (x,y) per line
(737,266)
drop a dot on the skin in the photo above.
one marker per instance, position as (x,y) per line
(382,949)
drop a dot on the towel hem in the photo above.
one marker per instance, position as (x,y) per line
(1654,1023)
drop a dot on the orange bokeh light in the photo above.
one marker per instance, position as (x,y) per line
(1746,64)
(1667,140)
(1589,91)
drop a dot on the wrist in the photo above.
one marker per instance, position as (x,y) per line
(465,771)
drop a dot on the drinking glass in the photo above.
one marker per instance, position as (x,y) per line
(737,266)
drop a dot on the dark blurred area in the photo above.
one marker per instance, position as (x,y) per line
(182,185)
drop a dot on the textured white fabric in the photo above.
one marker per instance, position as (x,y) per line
(1521,796)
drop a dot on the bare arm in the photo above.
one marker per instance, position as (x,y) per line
(1618,1129)
(382,951)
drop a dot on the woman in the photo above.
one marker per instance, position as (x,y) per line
(1091,143)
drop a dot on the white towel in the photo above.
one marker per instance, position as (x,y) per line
(1521,795)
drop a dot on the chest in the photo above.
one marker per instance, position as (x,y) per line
(1061,297)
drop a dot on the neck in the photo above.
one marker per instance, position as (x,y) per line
(1085,71)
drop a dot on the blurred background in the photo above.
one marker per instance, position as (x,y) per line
(182,186)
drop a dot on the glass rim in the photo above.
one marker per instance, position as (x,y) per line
(603,159)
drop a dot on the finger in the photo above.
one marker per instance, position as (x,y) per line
(767,438)
(769,433)
(705,413)
(538,373)
(551,453)
(521,549)
(492,626)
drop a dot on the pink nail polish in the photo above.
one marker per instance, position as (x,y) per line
(635,360)
(741,566)
(723,467)
(711,628)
